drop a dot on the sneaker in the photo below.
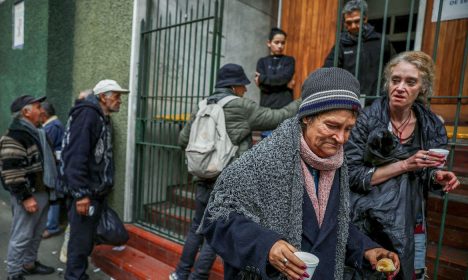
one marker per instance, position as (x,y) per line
(173,276)
(420,274)
(48,234)
(38,268)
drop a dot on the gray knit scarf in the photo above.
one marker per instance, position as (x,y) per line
(49,176)
(252,185)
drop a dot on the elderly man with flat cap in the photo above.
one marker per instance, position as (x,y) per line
(22,169)
(87,169)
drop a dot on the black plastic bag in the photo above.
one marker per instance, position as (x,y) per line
(111,230)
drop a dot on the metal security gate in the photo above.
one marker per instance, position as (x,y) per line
(179,56)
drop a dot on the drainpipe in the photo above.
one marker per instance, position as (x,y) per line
(280,8)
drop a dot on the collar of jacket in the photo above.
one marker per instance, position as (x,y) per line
(20,124)
(368,33)
(218,94)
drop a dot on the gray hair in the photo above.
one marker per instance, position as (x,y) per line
(19,114)
(355,5)
(425,65)
(85,93)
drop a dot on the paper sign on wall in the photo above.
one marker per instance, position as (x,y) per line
(452,9)
(18,25)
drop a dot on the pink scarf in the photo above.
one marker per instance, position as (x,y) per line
(327,168)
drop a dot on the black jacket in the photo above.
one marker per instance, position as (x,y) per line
(369,59)
(387,212)
(87,165)
(276,71)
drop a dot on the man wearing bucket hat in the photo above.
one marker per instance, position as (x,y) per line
(87,169)
(22,169)
(242,116)
(290,193)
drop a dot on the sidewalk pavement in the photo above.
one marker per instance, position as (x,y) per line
(49,250)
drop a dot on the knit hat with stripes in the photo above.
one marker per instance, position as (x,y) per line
(329,89)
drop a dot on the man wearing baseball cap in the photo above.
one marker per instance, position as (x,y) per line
(22,169)
(87,169)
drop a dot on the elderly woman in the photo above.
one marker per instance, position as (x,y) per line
(390,165)
(290,192)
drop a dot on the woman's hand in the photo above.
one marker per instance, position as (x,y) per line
(448,180)
(282,257)
(422,159)
(373,255)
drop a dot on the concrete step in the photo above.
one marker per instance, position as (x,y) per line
(453,262)
(129,264)
(451,221)
(454,257)
(460,161)
(146,256)
(183,196)
(164,250)
(453,237)
(457,204)
(169,216)
(456,223)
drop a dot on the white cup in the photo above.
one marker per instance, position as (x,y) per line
(442,152)
(310,260)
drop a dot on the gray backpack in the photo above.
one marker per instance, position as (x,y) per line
(209,149)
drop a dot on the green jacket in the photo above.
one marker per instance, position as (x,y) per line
(243,116)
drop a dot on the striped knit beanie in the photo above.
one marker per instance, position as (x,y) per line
(329,89)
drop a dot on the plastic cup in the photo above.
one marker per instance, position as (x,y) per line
(310,260)
(442,152)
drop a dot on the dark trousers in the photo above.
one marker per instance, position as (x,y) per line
(80,246)
(207,255)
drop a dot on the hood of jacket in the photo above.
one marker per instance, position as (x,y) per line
(90,101)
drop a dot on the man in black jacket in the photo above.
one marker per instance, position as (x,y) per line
(369,60)
(22,169)
(87,170)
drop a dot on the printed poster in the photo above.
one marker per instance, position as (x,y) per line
(451,9)
(18,25)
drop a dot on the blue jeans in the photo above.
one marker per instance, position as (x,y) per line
(266,133)
(192,243)
(53,217)
(420,251)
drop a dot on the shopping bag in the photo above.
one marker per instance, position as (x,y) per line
(111,230)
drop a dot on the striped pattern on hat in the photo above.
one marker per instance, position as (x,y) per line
(329,89)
